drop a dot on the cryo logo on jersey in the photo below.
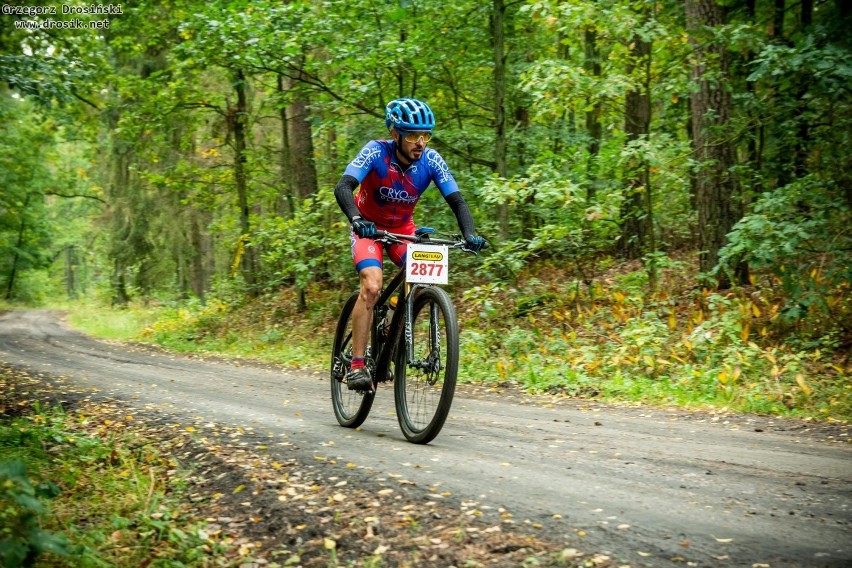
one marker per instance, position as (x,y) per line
(439,166)
(397,195)
(365,157)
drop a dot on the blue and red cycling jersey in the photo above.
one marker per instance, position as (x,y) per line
(389,192)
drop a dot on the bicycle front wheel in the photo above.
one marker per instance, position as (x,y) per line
(350,407)
(424,387)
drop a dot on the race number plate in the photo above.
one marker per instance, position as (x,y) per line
(427,264)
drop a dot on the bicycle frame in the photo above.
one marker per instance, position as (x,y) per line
(405,295)
(383,355)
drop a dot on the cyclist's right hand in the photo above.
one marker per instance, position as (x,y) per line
(475,243)
(364,229)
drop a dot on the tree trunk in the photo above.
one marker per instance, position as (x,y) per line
(199,249)
(285,205)
(592,65)
(716,184)
(497,37)
(70,281)
(119,286)
(298,168)
(237,116)
(778,11)
(301,143)
(10,288)
(637,223)
(804,128)
(754,149)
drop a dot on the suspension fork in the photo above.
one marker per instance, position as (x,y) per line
(434,328)
(409,314)
(434,332)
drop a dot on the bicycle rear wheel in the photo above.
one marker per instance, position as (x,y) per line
(350,407)
(424,387)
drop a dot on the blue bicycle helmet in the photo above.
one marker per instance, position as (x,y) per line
(409,114)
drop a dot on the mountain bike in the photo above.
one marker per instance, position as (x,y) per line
(414,341)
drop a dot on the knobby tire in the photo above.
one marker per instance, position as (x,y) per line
(423,395)
(350,407)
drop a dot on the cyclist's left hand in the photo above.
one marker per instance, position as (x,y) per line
(475,243)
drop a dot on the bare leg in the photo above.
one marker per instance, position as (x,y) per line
(362,314)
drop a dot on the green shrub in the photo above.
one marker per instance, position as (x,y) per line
(22,540)
(799,236)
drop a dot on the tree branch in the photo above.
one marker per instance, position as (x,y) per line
(56,193)
(88,102)
(465,155)
(207,106)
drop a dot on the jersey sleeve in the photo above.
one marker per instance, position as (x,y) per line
(363,162)
(440,172)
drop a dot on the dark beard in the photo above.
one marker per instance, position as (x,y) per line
(406,157)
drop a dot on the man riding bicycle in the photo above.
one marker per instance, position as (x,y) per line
(393,174)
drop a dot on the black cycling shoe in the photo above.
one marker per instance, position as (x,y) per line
(359,379)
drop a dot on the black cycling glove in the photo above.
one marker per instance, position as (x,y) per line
(475,243)
(364,229)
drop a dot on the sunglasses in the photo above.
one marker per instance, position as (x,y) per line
(417,135)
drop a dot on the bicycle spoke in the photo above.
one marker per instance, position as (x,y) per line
(425,385)
(351,407)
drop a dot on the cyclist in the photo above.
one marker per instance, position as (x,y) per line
(393,174)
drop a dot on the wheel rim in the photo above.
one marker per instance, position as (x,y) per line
(424,381)
(347,401)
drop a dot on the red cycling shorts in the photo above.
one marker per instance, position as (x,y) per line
(367,252)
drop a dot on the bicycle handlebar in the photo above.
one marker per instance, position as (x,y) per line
(456,241)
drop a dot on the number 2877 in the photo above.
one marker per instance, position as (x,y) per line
(426,269)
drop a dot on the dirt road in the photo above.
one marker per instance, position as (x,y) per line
(650,487)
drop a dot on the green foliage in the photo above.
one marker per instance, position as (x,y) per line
(617,341)
(311,245)
(799,235)
(555,221)
(45,200)
(24,176)
(22,540)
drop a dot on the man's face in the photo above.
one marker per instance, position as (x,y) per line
(411,144)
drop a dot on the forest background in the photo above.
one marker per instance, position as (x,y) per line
(667,184)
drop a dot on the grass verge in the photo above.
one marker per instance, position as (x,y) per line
(88,486)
